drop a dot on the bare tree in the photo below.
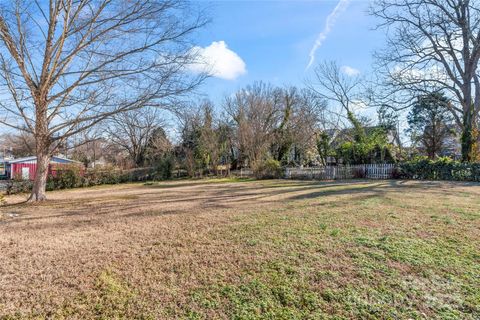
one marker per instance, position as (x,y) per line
(272,121)
(256,111)
(69,64)
(434,45)
(296,133)
(213,138)
(205,139)
(332,85)
(347,93)
(87,146)
(134,131)
(21,144)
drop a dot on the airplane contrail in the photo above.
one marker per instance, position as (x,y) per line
(332,17)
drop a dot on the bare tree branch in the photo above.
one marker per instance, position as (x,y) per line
(68,65)
(433,46)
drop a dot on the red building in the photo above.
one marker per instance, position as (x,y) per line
(25,168)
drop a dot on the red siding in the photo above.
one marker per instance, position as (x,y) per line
(16,170)
(53,168)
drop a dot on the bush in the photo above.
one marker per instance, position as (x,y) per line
(397,173)
(68,177)
(136,175)
(110,175)
(99,176)
(164,168)
(268,169)
(19,186)
(359,173)
(440,169)
(65,177)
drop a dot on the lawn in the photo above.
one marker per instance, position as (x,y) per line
(245,250)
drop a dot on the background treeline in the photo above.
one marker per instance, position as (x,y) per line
(422,97)
(260,127)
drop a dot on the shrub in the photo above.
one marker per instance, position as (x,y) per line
(268,169)
(18,186)
(135,175)
(366,147)
(110,175)
(440,169)
(359,173)
(397,173)
(65,177)
(164,167)
(104,175)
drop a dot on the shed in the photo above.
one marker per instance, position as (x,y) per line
(26,168)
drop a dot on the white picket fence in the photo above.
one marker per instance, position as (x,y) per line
(379,171)
(369,171)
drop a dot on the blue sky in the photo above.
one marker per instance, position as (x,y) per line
(274,39)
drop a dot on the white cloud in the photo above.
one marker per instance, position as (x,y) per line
(349,71)
(218,61)
(331,19)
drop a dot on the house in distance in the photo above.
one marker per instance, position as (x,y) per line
(26,168)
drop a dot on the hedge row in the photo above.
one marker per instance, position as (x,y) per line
(441,169)
(420,169)
(70,177)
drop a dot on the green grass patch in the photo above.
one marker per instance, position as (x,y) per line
(328,266)
(285,250)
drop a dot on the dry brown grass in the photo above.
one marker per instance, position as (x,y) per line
(216,250)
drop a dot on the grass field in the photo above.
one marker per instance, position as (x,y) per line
(245,250)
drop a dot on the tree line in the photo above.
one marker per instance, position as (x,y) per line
(100,75)
(260,125)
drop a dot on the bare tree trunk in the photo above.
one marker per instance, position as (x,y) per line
(40,183)
(42,151)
